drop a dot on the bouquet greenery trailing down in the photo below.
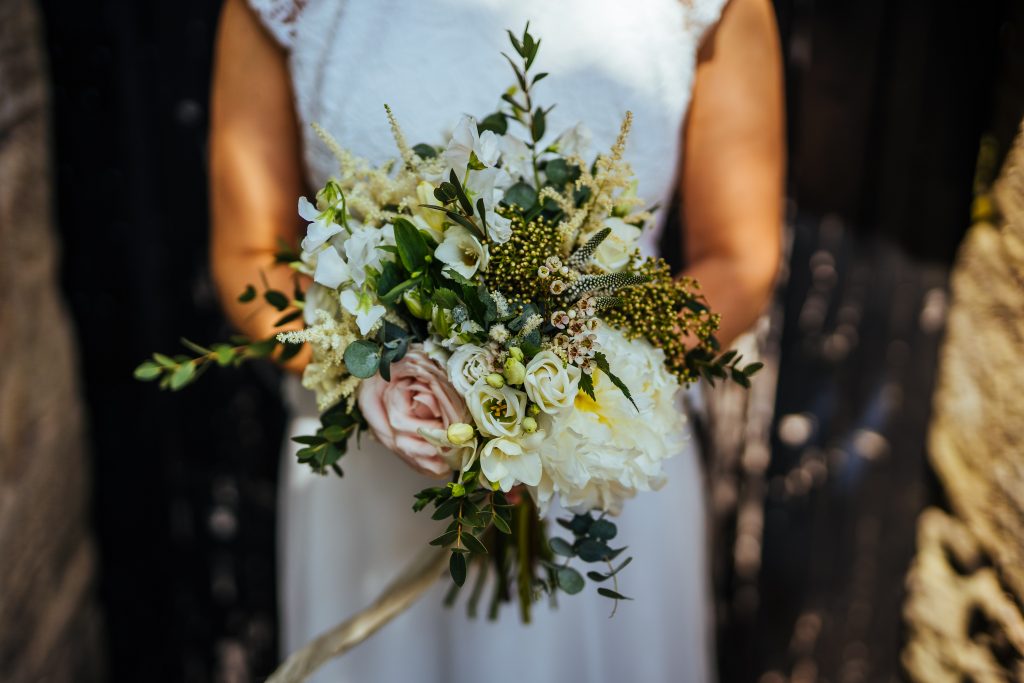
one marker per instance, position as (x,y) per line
(482,308)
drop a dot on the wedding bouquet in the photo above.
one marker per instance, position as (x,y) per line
(482,308)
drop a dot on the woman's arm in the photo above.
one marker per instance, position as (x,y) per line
(255,167)
(733,165)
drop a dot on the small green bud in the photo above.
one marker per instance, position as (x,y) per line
(495,380)
(529,425)
(458,490)
(533,409)
(460,433)
(515,372)
(441,319)
(516,352)
(416,304)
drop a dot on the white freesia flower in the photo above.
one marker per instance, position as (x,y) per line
(457,456)
(515,157)
(575,141)
(488,184)
(462,252)
(551,383)
(507,462)
(362,306)
(361,250)
(466,141)
(499,228)
(605,450)
(614,253)
(331,269)
(497,412)
(467,364)
(319,230)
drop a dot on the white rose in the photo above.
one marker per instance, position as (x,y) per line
(506,462)
(462,252)
(617,249)
(467,364)
(497,412)
(551,383)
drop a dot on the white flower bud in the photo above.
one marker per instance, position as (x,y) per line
(495,380)
(529,425)
(460,433)
(515,372)
(516,353)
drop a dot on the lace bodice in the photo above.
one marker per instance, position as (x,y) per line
(432,61)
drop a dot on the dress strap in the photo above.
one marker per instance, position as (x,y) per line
(279,17)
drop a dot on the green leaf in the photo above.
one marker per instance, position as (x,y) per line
(587,385)
(539,77)
(248,295)
(447,538)
(457,567)
(590,550)
(557,171)
(287,318)
(473,544)
(751,369)
(539,125)
(467,207)
(445,298)
(362,358)
(182,376)
(424,151)
(495,122)
(164,360)
(739,378)
(224,354)
(560,546)
(335,433)
(412,247)
(148,371)
(500,524)
(276,299)
(521,195)
(603,530)
(569,580)
(609,593)
(602,363)
(464,222)
(196,348)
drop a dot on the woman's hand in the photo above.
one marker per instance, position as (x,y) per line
(255,170)
(733,166)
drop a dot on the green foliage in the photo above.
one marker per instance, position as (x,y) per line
(590,545)
(602,363)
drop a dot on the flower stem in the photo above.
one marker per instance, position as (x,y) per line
(523,548)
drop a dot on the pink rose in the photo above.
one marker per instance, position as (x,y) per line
(419,396)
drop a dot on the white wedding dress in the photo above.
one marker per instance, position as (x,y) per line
(343,540)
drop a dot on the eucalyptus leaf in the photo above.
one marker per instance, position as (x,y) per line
(562,547)
(362,358)
(521,195)
(569,580)
(248,295)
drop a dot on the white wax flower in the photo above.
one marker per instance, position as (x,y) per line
(467,364)
(362,306)
(497,412)
(614,253)
(462,251)
(551,383)
(506,462)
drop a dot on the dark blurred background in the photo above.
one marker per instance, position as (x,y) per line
(888,102)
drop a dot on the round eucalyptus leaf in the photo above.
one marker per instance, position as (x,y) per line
(603,530)
(561,547)
(522,195)
(570,580)
(362,358)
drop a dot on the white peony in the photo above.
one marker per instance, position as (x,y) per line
(551,383)
(614,253)
(605,450)
(462,251)
(507,462)
(497,412)
(467,364)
